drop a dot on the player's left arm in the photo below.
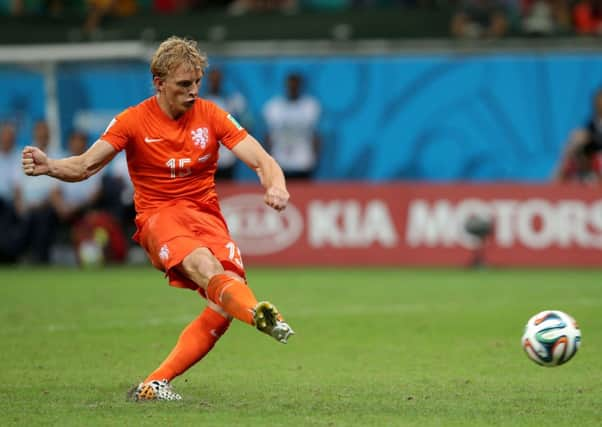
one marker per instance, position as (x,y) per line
(250,151)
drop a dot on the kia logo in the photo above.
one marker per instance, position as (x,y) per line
(259,229)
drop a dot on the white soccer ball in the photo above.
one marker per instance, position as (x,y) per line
(551,338)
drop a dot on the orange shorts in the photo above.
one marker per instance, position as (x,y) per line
(177,229)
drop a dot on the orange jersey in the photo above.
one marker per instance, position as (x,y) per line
(172,159)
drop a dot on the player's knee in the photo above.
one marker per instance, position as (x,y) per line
(213,306)
(200,265)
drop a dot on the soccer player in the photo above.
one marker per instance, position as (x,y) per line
(171,143)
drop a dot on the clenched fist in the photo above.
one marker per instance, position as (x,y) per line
(276,197)
(34,161)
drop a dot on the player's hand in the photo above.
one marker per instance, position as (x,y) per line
(34,161)
(276,198)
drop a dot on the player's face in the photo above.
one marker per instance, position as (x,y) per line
(180,89)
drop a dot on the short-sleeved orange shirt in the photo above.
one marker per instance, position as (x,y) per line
(172,159)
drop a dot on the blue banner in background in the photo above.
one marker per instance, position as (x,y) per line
(433,117)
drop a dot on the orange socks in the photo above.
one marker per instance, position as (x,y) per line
(194,343)
(234,296)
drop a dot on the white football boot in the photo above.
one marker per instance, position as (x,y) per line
(268,320)
(154,390)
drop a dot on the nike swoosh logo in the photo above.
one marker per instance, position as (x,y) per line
(151,140)
(204,158)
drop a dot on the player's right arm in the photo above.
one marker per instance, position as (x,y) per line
(250,151)
(75,168)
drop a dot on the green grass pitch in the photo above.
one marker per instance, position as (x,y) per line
(374,347)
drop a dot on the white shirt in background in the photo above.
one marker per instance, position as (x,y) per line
(119,169)
(36,190)
(78,193)
(10,168)
(292,126)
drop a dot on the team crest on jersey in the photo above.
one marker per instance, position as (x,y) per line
(164,253)
(200,137)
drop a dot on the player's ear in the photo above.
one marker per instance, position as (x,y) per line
(158,82)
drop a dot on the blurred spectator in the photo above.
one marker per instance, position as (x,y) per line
(118,193)
(337,4)
(9,162)
(34,206)
(546,17)
(240,7)
(99,10)
(234,103)
(72,200)
(51,8)
(13,7)
(582,158)
(168,7)
(9,165)
(587,17)
(41,139)
(97,236)
(480,18)
(292,137)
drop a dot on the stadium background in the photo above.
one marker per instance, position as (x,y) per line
(401,103)
(432,116)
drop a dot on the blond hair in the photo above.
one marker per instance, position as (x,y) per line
(176,51)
